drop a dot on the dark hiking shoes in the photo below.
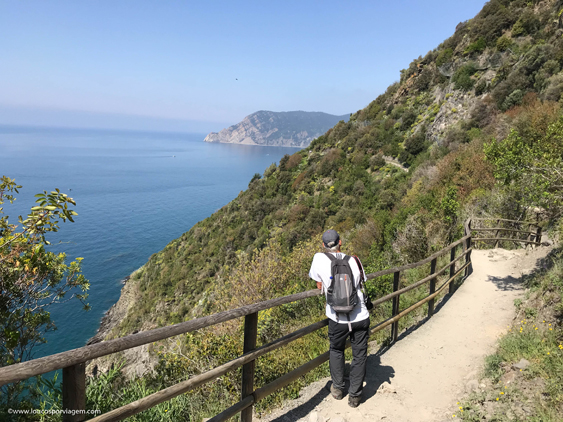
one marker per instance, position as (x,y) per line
(337,393)
(354,401)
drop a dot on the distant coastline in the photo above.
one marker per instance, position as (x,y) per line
(295,129)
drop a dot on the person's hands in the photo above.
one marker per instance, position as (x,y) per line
(319,285)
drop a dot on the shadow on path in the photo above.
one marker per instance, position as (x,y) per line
(376,375)
(509,283)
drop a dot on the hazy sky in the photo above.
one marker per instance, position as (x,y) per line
(174,65)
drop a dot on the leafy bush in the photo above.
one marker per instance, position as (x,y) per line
(416,143)
(531,167)
(376,162)
(293,161)
(409,117)
(503,43)
(527,24)
(476,47)
(555,88)
(514,99)
(462,77)
(444,57)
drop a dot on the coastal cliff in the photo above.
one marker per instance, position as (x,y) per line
(280,129)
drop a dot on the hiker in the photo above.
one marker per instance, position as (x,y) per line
(353,322)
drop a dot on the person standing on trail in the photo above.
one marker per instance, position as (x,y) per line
(331,270)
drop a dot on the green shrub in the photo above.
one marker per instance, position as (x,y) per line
(376,162)
(503,43)
(514,99)
(462,77)
(444,57)
(476,47)
(527,24)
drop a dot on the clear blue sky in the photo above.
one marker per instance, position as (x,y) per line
(173,64)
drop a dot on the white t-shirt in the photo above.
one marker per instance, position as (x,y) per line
(321,271)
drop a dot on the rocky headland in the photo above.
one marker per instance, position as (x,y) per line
(280,129)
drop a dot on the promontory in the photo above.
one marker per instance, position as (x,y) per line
(282,129)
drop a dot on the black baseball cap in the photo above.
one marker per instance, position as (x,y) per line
(330,238)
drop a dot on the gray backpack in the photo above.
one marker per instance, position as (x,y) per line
(341,295)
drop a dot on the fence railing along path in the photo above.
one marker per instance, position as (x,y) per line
(514,228)
(73,362)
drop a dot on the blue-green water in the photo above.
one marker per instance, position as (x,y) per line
(135,192)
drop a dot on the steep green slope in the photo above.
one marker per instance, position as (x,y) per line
(434,120)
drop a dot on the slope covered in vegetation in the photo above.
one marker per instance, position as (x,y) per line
(499,72)
(434,121)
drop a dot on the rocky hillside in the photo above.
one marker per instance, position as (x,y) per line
(280,129)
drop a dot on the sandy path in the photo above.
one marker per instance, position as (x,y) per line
(422,376)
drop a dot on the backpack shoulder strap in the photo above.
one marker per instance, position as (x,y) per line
(361,268)
(330,256)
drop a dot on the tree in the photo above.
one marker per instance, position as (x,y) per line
(31,277)
(531,167)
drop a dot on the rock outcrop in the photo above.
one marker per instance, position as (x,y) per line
(281,129)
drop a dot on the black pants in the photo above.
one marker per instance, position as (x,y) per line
(337,334)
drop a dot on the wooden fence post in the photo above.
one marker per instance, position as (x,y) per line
(467,271)
(497,234)
(250,336)
(452,270)
(432,287)
(395,325)
(74,392)
(538,236)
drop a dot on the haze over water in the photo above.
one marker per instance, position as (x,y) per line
(135,192)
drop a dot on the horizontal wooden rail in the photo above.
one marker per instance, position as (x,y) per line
(24,370)
(419,283)
(184,386)
(504,219)
(418,304)
(492,229)
(483,239)
(419,263)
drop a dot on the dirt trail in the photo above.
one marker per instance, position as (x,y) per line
(422,376)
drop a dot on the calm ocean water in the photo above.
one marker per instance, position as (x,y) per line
(135,192)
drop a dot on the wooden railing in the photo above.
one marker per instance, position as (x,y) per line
(513,228)
(73,362)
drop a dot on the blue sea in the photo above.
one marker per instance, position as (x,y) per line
(135,192)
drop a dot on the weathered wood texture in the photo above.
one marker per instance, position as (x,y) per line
(184,386)
(517,228)
(504,219)
(502,229)
(250,336)
(432,287)
(484,239)
(419,263)
(74,392)
(24,370)
(452,268)
(396,304)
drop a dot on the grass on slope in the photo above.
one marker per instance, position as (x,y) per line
(533,393)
